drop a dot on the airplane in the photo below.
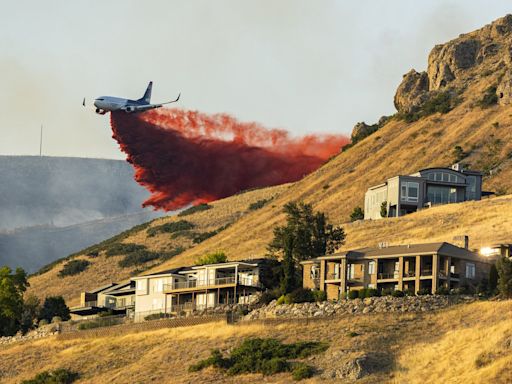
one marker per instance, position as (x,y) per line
(106,104)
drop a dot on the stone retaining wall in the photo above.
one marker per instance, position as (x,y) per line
(357,306)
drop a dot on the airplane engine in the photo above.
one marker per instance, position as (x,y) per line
(130,109)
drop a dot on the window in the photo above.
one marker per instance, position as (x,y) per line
(409,191)
(371,268)
(314,273)
(471,188)
(470,270)
(142,285)
(158,285)
(351,271)
(437,194)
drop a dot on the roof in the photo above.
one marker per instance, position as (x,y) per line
(441,248)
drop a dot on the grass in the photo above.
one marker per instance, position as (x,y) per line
(467,343)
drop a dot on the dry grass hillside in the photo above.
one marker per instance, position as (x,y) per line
(464,344)
(398,147)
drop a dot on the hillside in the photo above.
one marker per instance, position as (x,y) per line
(53,206)
(411,140)
(468,343)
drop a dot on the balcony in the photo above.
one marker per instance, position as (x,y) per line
(333,276)
(204,284)
(387,276)
(410,274)
(444,274)
(91,304)
(426,272)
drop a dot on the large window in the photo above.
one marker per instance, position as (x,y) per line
(409,191)
(445,177)
(441,195)
(142,285)
(470,270)
(471,188)
(371,268)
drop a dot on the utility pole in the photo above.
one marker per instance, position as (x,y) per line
(41,142)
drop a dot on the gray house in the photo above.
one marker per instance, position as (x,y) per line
(431,186)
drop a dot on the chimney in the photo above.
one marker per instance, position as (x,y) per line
(466,241)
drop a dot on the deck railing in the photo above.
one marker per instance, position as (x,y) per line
(249,282)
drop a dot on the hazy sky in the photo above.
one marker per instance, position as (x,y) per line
(307,66)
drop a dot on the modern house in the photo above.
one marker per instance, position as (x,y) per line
(197,288)
(406,194)
(118,298)
(413,268)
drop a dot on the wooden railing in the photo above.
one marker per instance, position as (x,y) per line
(250,282)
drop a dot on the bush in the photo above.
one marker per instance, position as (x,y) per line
(58,376)
(266,356)
(442,102)
(172,227)
(302,371)
(424,292)
(138,257)
(54,306)
(352,334)
(267,296)
(100,322)
(258,204)
(397,293)
(195,209)
(281,300)
(212,258)
(42,322)
(443,291)
(301,295)
(124,249)
(319,295)
(489,99)
(353,295)
(357,214)
(155,316)
(73,267)
(386,292)
(367,292)
(56,319)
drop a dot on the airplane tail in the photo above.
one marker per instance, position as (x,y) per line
(147,95)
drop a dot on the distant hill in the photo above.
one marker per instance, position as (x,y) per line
(53,206)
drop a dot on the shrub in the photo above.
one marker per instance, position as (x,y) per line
(357,214)
(397,293)
(195,209)
(281,300)
(212,258)
(99,322)
(367,292)
(443,102)
(54,306)
(124,249)
(443,291)
(489,98)
(138,257)
(353,295)
(384,209)
(319,295)
(458,154)
(267,296)
(266,356)
(504,268)
(42,322)
(386,292)
(352,334)
(302,371)
(58,376)
(155,316)
(493,279)
(56,319)
(423,292)
(258,204)
(172,227)
(301,295)
(74,267)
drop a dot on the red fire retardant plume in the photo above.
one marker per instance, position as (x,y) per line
(186,157)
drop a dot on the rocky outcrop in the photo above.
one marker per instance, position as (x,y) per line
(457,63)
(38,333)
(358,306)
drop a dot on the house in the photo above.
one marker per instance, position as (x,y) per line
(495,251)
(406,194)
(413,268)
(197,287)
(118,298)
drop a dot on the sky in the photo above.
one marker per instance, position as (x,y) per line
(305,66)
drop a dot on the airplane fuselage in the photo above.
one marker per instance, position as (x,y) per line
(106,104)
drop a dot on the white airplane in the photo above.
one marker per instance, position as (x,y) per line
(106,104)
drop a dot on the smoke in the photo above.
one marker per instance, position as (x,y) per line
(187,157)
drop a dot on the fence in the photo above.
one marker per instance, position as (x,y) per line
(121,329)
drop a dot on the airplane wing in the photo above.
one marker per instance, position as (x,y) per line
(146,107)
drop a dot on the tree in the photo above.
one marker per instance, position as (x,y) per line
(305,235)
(357,214)
(212,258)
(12,287)
(54,306)
(384,209)
(458,153)
(31,308)
(504,268)
(493,279)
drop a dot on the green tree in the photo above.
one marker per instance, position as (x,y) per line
(504,268)
(31,308)
(493,279)
(458,153)
(12,287)
(384,209)
(212,258)
(305,235)
(54,306)
(357,214)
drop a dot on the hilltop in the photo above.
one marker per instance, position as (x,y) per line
(460,101)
